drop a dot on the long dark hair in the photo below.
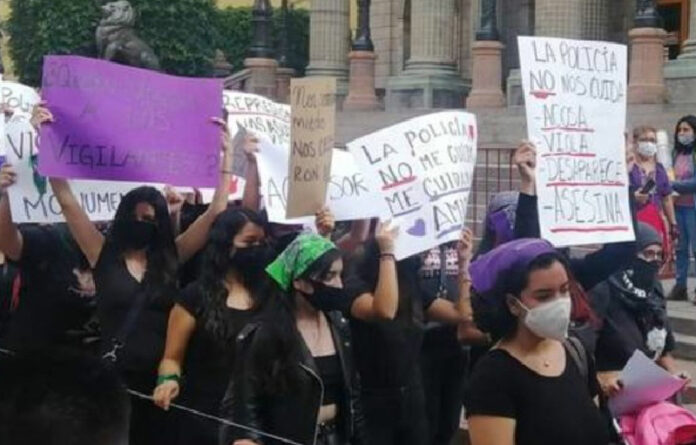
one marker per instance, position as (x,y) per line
(215,266)
(162,259)
(491,312)
(275,362)
(678,146)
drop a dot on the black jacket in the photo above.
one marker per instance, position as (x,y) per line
(290,414)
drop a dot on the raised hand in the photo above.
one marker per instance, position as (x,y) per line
(325,222)
(385,236)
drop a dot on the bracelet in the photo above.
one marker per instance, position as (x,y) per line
(167,378)
(387,256)
(227,172)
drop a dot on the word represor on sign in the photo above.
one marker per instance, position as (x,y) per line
(575,95)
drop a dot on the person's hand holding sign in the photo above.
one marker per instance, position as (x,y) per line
(525,160)
(325,222)
(7,178)
(41,115)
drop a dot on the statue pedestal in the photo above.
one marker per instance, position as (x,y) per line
(647,80)
(283,76)
(262,78)
(361,83)
(486,91)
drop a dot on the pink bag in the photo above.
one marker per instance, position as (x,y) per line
(660,424)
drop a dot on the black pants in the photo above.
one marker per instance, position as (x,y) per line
(149,424)
(443,377)
(395,416)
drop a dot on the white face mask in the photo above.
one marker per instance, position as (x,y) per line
(685,139)
(647,149)
(550,320)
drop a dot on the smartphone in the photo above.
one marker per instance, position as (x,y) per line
(648,187)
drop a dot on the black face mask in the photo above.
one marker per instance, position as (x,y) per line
(326,298)
(644,273)
(137,235)
(250,261)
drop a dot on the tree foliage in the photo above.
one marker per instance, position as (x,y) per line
(183,33)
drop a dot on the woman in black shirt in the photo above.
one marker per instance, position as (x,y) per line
(529,390)
(135,273)
(208,316)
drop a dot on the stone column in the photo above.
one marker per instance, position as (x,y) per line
(361,83)
(430,79)
(646,83)
(486,91)
(554,18)
(595,20)
(680,74)
(260,63)
(329,41)
(284,73)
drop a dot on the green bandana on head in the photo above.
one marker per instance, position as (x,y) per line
(297,257)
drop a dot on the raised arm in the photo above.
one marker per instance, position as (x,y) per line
(11,242)
(181,327)
(526,215)
(252,189)
(90,240)
(384,303)
(445,311)
(195,237)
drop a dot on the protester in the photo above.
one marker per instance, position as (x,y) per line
(208,316)
(650,185)
(534,387)
(499,222)
(57,287)
(632,307)
(385,350)
(684,204)
(297,380)
(587,271)
(61,398)
(135,269)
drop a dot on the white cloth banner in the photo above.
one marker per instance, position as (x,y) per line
(423,170)
(575,95)
(31,198)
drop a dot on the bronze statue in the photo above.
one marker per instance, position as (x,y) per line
(117,40)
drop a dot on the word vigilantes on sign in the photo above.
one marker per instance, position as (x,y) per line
(120,123)
(313,122)
(575,95)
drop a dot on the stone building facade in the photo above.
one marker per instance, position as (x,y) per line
(424,47)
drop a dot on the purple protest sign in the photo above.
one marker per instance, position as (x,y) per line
(115,122)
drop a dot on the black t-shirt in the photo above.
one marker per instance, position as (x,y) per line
(623,330)
(58,291)
(547,410)
(118,292)
(209,359)
(387,352)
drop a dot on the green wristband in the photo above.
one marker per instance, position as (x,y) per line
(168,377)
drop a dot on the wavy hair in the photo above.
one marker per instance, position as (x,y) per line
(162,258)
(215,266)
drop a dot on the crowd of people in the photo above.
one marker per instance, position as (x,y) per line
(271,334)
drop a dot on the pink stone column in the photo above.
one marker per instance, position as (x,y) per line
(361,83)
(646,83)
(283,77)
(486,90)
(262,79)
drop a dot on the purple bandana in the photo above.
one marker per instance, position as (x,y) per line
(488,268)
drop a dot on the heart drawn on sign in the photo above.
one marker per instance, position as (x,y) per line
(418,228)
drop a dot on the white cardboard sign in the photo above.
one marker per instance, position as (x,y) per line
(422,169)
(575,95)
